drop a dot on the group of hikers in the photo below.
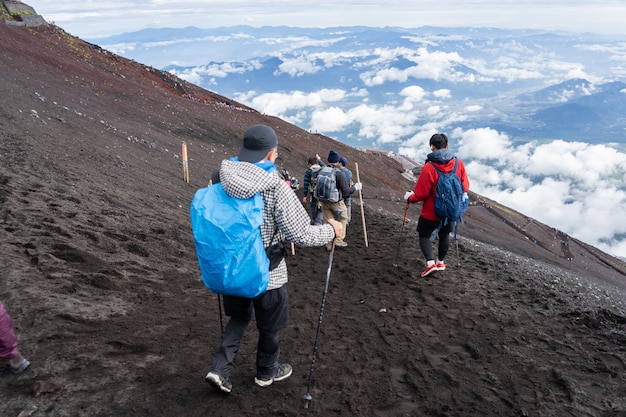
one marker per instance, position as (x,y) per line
(284,218)
(323,207)
(253,172)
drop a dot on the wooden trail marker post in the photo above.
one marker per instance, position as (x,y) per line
(358,179)
(185,164)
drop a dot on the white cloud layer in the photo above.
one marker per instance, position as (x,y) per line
(576,187)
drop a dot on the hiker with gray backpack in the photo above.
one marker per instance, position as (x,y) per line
(239,224)
(442,186)
(331,188)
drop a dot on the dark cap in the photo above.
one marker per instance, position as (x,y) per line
(333,157)
(257,142)
(343,160)
(439,140)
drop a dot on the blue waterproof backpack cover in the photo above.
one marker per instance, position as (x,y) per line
(227,235)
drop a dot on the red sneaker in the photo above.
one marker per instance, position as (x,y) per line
(430,269)
(441,266)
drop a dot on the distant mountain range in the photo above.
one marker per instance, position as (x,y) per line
(599,116)
(527,84)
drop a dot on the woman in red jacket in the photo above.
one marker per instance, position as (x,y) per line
(424,190)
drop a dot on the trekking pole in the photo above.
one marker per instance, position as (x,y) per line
(358,179)
(185,163)
(406,209)
(456,243)
(307,396)
(219,303)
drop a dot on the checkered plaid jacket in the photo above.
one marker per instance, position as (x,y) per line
(282,210)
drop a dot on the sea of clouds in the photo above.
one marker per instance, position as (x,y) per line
(576,187)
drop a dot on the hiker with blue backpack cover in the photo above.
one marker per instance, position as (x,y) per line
(250,175)
(440,163)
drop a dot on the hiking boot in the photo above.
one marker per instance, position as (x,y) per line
(219,382)
(284,371)
(441,266)
(17,364)
(430,269)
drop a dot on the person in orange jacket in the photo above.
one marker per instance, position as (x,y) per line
(424,190)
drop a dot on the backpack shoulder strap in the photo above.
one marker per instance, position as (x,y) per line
(456,162)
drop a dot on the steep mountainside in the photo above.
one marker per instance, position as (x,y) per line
(100,277)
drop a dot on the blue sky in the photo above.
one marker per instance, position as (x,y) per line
(94,19)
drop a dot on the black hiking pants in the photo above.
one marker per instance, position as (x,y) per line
(425,229)
(271,310)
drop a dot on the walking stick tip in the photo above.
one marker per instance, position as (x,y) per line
(307,399)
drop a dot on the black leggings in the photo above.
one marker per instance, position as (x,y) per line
(425,229)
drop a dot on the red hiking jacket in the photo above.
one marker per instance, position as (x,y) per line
(427,183)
